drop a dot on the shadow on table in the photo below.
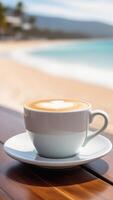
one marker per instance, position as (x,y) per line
(31,175)
(99,167)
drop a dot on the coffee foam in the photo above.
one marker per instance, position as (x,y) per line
(58,105)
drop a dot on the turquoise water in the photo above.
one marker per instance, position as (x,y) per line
(93,53)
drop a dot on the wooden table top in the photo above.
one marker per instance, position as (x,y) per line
(103,167)
(25,182)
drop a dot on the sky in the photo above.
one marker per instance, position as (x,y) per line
(91,10)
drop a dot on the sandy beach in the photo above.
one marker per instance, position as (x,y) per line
(19,83)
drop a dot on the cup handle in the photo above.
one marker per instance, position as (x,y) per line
(91,117)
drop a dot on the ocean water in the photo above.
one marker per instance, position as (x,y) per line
(92,53)
(89,60)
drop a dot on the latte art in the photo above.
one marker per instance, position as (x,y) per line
(56,104)
(60,105)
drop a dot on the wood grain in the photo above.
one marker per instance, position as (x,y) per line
(103,168)
(4,195)
(21,183)
(25,182)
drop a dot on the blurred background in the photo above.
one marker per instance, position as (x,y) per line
(55,49)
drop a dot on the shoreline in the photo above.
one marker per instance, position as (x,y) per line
(52,67)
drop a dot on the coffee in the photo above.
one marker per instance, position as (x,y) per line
(59,128)
(57,105)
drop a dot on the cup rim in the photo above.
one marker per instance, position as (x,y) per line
(25,105)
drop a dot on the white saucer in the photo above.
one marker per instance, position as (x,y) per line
(21,148)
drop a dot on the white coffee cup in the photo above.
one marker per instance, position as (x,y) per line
(60,134)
